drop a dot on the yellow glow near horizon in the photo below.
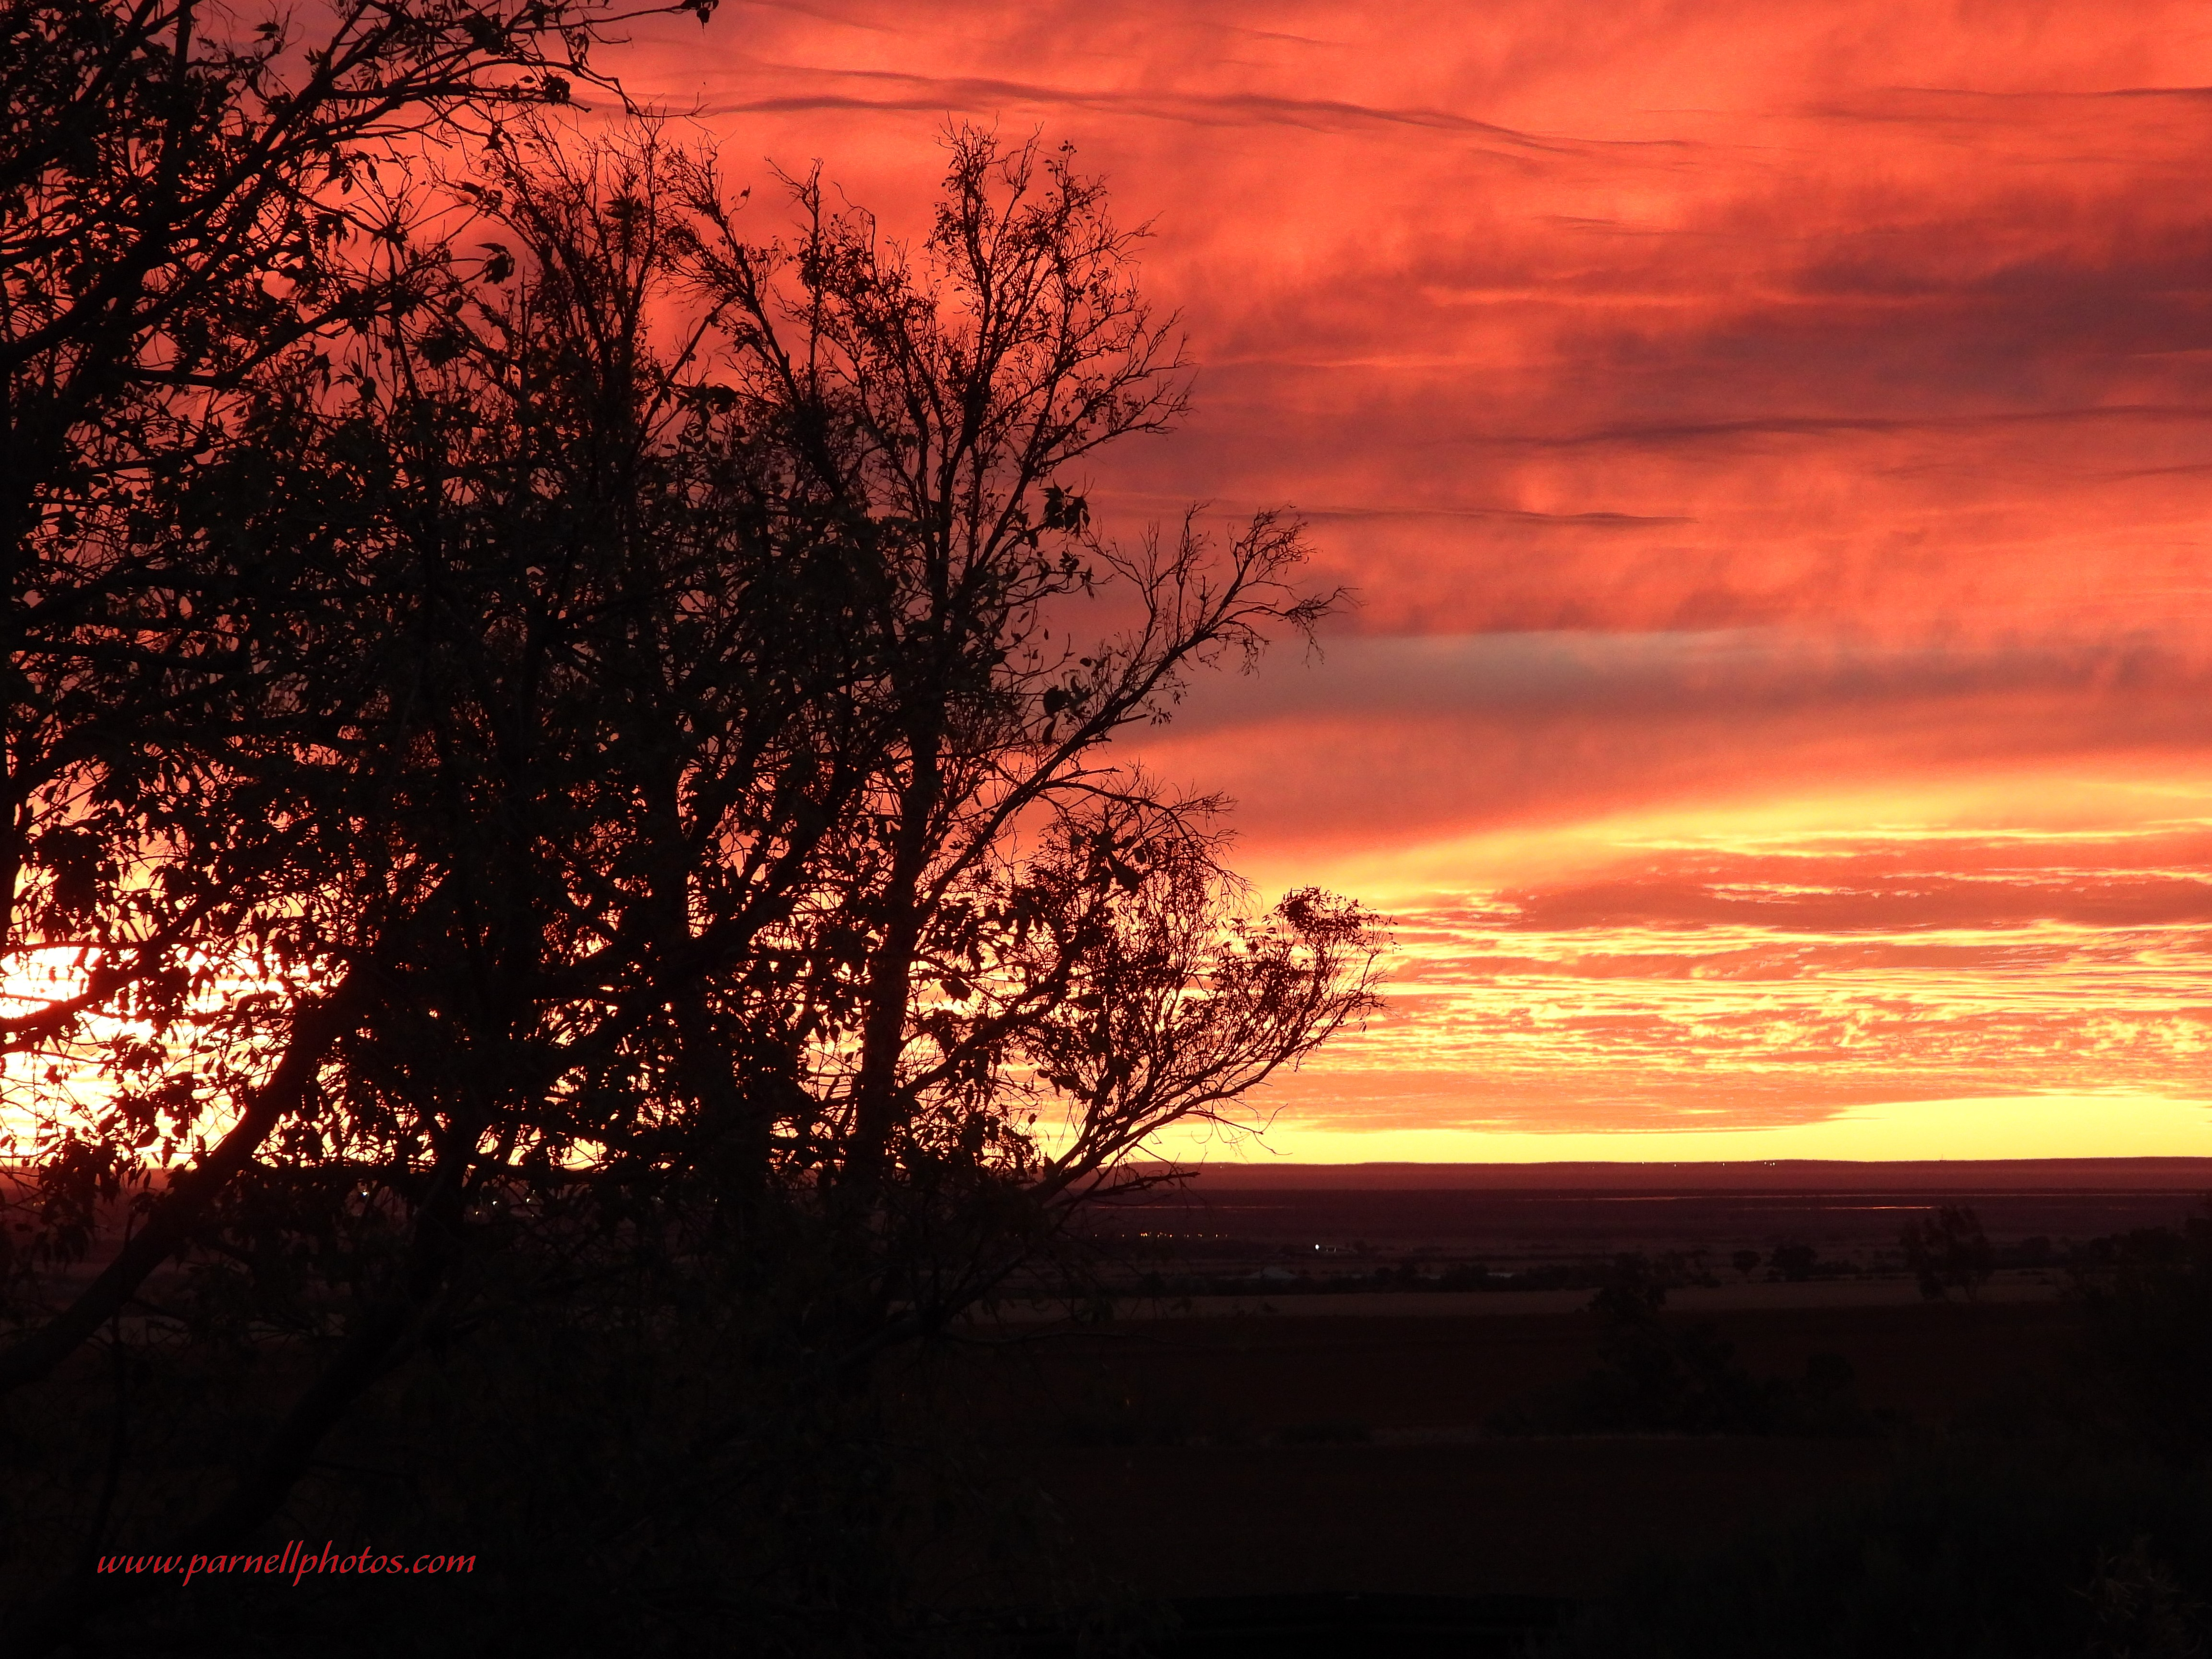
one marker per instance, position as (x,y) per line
(1782,980)
(2057,1125)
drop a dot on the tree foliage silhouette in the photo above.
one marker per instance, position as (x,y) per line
(193,211)
(652,760)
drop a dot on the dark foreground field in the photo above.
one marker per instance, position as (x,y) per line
(1326,1449)
(1267,1455)
(1618,1419)
(1330,1473)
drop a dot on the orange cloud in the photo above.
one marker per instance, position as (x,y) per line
(1716,407)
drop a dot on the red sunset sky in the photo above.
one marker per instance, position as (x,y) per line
(1772,446)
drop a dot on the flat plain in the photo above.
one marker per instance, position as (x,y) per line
(1299,1405)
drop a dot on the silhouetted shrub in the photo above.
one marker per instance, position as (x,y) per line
(1947,1251)
(1663,1376)
(2147,1379)
(1795,1262)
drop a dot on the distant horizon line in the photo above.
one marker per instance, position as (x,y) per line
(1964,1174)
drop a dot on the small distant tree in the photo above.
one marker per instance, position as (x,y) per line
(1746,1262)
(1946,1250)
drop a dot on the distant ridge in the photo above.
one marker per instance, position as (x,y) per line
(1777,1174)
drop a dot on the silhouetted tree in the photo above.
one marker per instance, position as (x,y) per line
(195,207)
(702,859)
(940,398)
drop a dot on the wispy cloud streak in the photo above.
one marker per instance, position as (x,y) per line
(1742,989)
